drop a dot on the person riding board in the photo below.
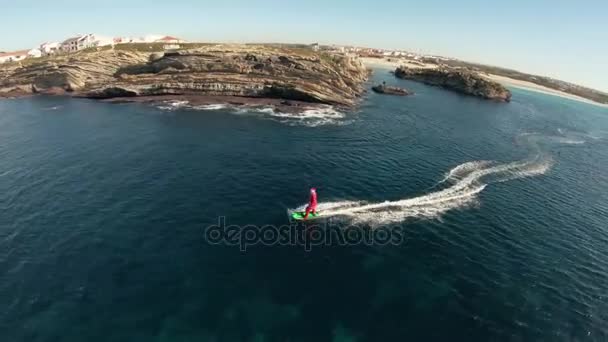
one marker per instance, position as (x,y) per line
(312,203)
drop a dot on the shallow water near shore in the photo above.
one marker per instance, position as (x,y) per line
(502,209)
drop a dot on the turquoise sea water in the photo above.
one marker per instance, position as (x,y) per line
(501,210)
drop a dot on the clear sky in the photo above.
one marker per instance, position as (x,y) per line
(563,39)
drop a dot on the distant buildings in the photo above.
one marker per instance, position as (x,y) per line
(47,49)
(72,44)
(34,53)
(92,40)
(151,38)
(75,43)
(84,42)
(13,56)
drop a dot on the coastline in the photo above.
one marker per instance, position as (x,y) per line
(505,81)
(281,105)
(248,75)
(200,101)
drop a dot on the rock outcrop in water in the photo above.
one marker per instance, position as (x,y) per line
(215,70)
(390,90)
(459,80)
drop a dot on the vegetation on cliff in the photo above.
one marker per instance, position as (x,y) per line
(459,80)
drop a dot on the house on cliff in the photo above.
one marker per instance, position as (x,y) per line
(85,41)
(74,44)
(34,53)
(48,49)
(71,44)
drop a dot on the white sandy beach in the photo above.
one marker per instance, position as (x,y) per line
(505,81)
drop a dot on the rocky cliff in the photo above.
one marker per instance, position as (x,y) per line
(65,73)
(215,70)
(459,80)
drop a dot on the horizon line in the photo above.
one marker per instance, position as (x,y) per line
(186,41)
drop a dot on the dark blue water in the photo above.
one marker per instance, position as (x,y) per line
(103,209)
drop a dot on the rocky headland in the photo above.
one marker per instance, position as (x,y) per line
(285,76)
(457,79)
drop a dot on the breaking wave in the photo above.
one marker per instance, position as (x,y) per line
(311,117)
(460,188)
(173,105)
(321,115)
(217,106)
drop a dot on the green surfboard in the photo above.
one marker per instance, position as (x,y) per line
(299,215)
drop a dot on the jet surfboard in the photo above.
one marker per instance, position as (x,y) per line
(299,215)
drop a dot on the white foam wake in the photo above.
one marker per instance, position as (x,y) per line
(463,169)
(462,193)
(462,185)
(320,115)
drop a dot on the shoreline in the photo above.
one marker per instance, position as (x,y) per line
(194,100)
(281,105)
(510,82)
(505,81)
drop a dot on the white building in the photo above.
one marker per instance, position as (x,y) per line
(49,48)
(75,43)
(85,41)
(34,53)
(13,56)
(151,38)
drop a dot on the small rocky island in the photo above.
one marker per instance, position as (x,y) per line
(238,74)
(390,90)
(457,79)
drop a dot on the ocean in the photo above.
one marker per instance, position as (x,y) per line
(495,215)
